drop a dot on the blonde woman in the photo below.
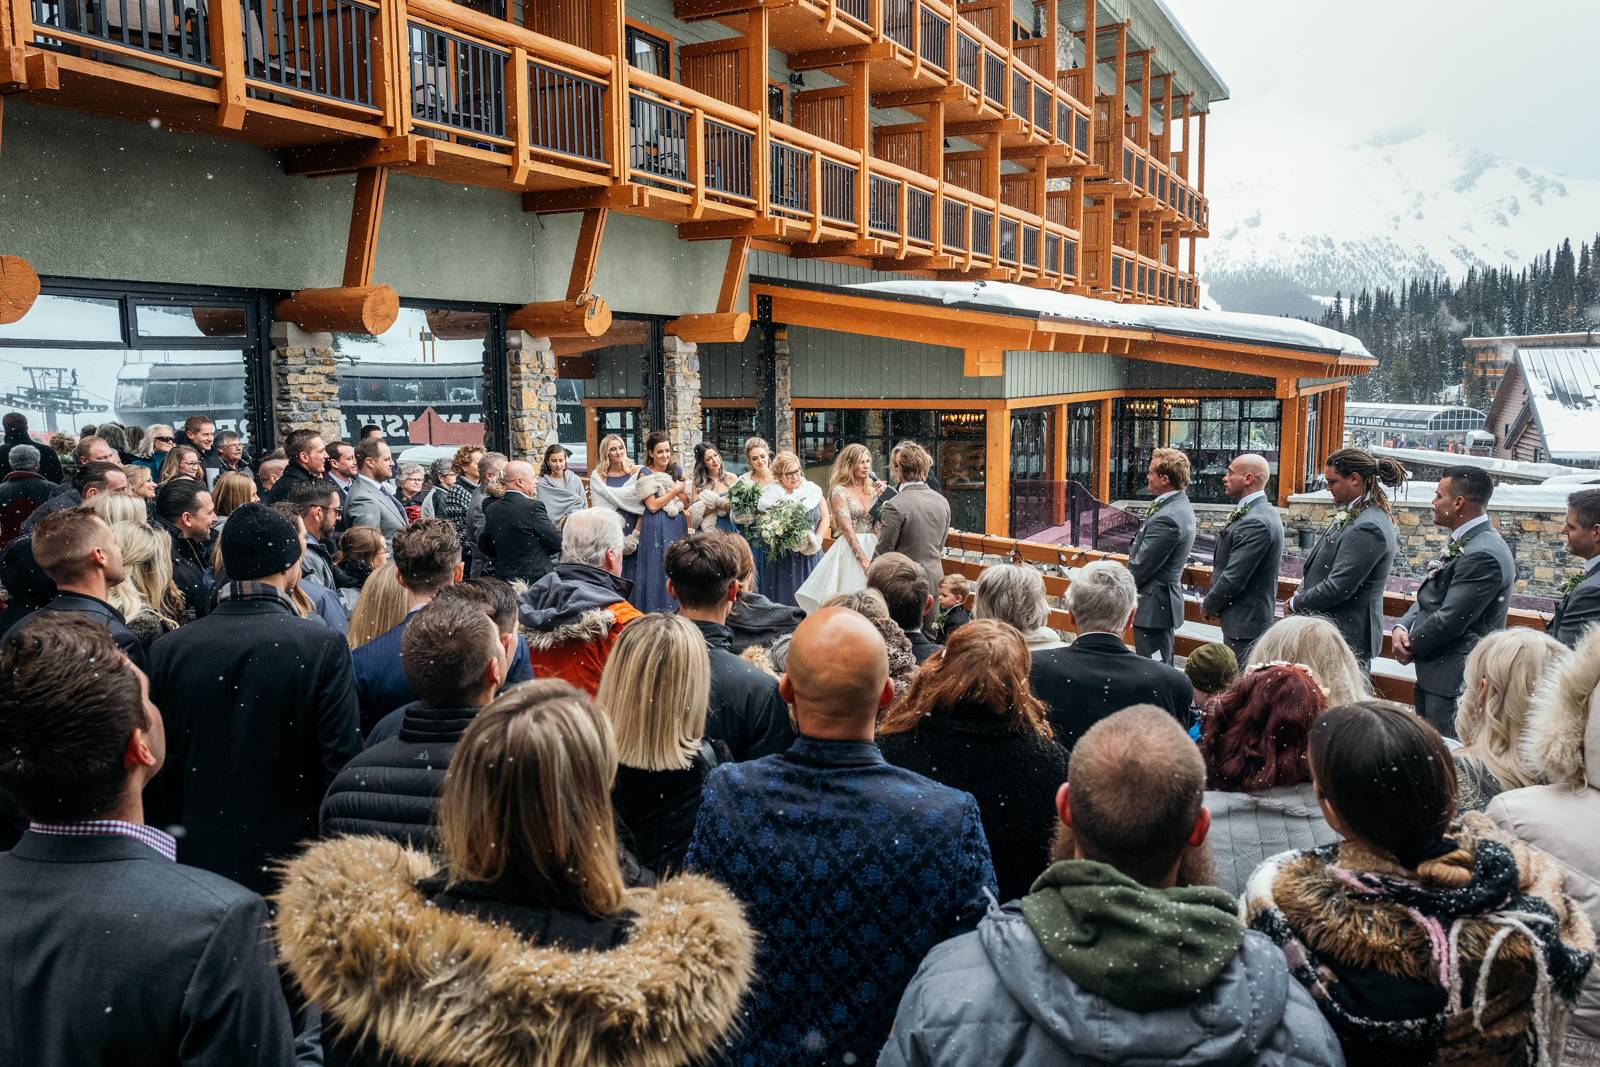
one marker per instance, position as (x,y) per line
(851,491)
(232,491)
(1499,681)
(148,600)
(787,571)
(521,942)
(758,458)
(614,485)
(656,686)
(141,483)
(182,462)
(118,507)
(379,609)
(1317,643)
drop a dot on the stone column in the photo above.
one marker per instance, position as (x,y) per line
(783,389)
(681,385)
(530,394)
(305,382)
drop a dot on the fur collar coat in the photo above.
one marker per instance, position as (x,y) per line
(430,986)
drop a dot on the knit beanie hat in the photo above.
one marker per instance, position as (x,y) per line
(257,542)
(1211,668)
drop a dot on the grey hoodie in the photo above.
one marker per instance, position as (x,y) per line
(993,997)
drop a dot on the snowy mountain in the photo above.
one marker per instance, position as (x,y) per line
(1306,220)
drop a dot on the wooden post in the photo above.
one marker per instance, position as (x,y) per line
(1119,110)
(997,472)
(608,32)
(753,80)
(1166,122)
(1102,466)
(586,255)
(520,124)
(1058,467)
(369,309)
(361,246)
(225,33)
(1291,442)
(1144,98)
(858,128)
(1200,178)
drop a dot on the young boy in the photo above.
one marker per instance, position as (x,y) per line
(953,612)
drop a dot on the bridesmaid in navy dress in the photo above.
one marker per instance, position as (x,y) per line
(658,528)
(787,571)
(617,470)
(758,454)
(710,476)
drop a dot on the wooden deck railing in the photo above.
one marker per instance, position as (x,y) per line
(1032,552)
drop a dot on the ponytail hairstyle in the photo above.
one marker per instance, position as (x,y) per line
(1374,473)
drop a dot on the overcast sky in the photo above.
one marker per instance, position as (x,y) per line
(1516,80)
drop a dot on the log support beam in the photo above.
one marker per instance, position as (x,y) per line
(725,325)
(19,288)
(351,157)
(369,309)
(366,215)
(581,313)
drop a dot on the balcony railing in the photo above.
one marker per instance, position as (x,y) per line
(935,44)
(127,27)
(883,213)
(919,215)
(839,192)
(968,59)
(458,88)
(898,17)
(566,113)
(791,178)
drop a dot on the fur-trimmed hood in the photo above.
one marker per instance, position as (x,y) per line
(1562,737)
(571,604)
(436,987)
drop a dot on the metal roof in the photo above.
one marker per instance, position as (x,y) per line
(1563,387)
(1414,416)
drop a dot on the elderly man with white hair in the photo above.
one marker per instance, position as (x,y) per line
(1015,595)
(573,615)
(22,490)
(1098,674)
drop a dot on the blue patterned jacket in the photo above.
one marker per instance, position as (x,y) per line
(850,870)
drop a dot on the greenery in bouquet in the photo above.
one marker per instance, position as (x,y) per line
(782,527)
(744,500)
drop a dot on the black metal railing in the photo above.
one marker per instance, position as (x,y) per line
(982,231)
(994,78)
(658,140)
(838,192)
(566,113)
(1052,252)
(935,45)
(1063,122)
(860,10)
(897,16)
(1030,246)
(1008,241)
(1041,108)
(955,225)
(883,205)
(1019,94)
(458,83)
(727,155)
(1139,172)
(967,53)
(321,47)
(791,179)
(159,27)
(919,214)
(1069,258)
(1080,132)
(1127,164)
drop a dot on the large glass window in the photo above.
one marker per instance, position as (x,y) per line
(1034,488)
(624,422)
(1083,443)
(93,354)
(1211,431)
(728,429)
(955,438)
(422,382)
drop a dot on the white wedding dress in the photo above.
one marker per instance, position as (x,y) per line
(839,572)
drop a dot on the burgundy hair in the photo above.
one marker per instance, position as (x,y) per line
(1255,736)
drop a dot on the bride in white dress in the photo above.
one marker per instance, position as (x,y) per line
(851,491)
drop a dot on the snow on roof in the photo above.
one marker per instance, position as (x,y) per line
(1564,388)
(1492,464)
(1419,494)
(1046,303)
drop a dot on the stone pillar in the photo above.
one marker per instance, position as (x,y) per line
(681,386)
(530,394)
(784,391)
(305,382)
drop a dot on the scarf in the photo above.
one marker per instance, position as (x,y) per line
(623,498)
(807,494)
(561,498)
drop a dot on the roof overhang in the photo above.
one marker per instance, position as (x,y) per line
(986,332)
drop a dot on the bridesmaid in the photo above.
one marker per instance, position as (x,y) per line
(710,475)
(787,571)
(659,526)
(617,470)
(560,491)
(758,454)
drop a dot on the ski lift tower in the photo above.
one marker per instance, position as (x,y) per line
(52,390)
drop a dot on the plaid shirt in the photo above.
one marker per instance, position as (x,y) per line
(149,835)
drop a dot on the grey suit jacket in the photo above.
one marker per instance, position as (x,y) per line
(1578,610)
(1345,576)
(367,505)
(1244,576)
(916,523)
(1458,604)
(111,954)
(1157,557)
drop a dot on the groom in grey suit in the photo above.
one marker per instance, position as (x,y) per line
(1244,575)
(1159,552)
(916,521)
(1465,596)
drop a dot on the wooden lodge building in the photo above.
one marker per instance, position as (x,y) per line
(969,222)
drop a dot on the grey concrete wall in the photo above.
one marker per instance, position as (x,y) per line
(829,364)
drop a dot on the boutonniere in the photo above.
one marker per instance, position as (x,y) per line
(1157,506)
(1236,514)
(1572,582)
(1454,549)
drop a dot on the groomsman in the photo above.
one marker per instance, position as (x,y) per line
(1349,565)
(1580,602)
(1159,553)
(1244,574)
(1464,597)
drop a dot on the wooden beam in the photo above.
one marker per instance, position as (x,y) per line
(566,201)
(867,248)
(347,157)
(369,309)
(997,471)
(696,10)
(19,288)
(824,58)
(225,29)
(586,255)
(733,274)
(1102,465)
(718,327)
(983,362)
(908,98)
(562,318)
(366,215)
(984,127)
(728,229)
(915,260)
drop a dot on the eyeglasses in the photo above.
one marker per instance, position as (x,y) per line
(163,440)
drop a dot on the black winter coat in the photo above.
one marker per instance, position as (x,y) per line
(519,536)
(190,564)
(102,613)
(1014,777)
(656,810)
(49,462)
(292,473)
(1097,676)
(392,789)
(746,712)
(260,710)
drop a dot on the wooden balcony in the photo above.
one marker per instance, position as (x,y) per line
(1142,180)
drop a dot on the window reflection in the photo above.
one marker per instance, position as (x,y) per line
(421,381)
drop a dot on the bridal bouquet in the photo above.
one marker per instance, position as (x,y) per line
(744,499)
(782,527)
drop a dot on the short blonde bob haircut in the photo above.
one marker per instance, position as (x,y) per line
(528,797)
(1500,677)
(656,686)
(379,608)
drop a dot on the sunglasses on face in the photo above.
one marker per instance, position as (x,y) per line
(164,440)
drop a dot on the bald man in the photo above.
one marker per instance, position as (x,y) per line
(849,868)
(1244,573)
(517,532)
